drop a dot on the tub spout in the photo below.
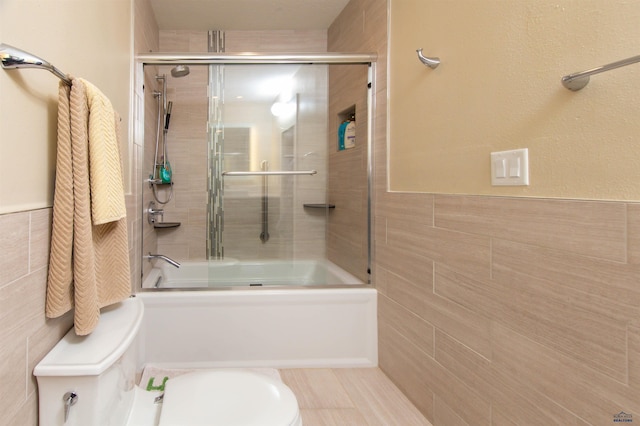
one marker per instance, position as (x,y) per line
(162,257)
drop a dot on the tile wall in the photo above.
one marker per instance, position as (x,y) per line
(347,241)
(508,310)
(361,27)
(187,141)
(26,335)
(186,152)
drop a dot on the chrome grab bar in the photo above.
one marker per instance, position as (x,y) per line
(264,235)
(265,173)
(273,173)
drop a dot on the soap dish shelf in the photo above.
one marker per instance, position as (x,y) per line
(320,206)
(166,225)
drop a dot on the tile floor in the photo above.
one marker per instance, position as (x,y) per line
(350,397)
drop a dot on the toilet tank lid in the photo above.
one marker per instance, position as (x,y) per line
(93,354)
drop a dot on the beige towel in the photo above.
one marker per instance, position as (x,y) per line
(89,262)
(105,171)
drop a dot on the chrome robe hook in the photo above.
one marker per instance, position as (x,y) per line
(430,62)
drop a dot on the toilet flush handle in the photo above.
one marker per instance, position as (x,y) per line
(69,398)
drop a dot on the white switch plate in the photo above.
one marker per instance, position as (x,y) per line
(510,168)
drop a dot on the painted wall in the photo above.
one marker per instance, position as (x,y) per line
(77,43)
(94,43)
(498,88)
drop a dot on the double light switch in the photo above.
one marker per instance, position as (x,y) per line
(510,167)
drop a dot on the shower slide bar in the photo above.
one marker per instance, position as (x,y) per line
(272,173)
(15,58)
(578,80)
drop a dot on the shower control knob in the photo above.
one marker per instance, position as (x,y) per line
(70,399)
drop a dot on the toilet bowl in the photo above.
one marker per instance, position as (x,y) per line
(90,380)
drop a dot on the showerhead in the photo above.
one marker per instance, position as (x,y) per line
(180,71)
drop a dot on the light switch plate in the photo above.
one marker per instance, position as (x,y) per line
(510,168)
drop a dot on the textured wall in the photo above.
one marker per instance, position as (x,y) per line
(498,88)
(75,43)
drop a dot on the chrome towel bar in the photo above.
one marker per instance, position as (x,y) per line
(578,80)
(272,173)
(15,58)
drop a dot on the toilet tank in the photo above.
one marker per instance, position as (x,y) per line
(99,368)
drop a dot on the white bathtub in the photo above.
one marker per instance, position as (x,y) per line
(233,273)
(279,327)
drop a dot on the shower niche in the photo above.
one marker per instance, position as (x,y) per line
(347,128)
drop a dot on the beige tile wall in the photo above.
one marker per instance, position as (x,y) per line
(26,335)
(361,27)
(528,307)
(187,141)
(347,242)
(187,152)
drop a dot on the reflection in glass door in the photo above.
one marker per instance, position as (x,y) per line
(262,170)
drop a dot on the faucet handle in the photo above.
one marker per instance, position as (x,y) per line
(152,212)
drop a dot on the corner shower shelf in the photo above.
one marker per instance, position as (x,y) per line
(320,206)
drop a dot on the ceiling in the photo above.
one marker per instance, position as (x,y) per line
(246,14)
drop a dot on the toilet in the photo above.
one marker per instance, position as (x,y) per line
(91,381)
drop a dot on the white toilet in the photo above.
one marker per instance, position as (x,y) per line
(90,381)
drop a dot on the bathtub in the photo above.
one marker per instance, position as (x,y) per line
(233,273)
(277,324)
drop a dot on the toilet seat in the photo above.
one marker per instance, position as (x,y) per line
(229,398)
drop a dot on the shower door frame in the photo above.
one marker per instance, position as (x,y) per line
(322,58)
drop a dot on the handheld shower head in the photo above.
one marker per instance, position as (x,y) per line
(180,71)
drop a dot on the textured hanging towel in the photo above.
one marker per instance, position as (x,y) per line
(89,261)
